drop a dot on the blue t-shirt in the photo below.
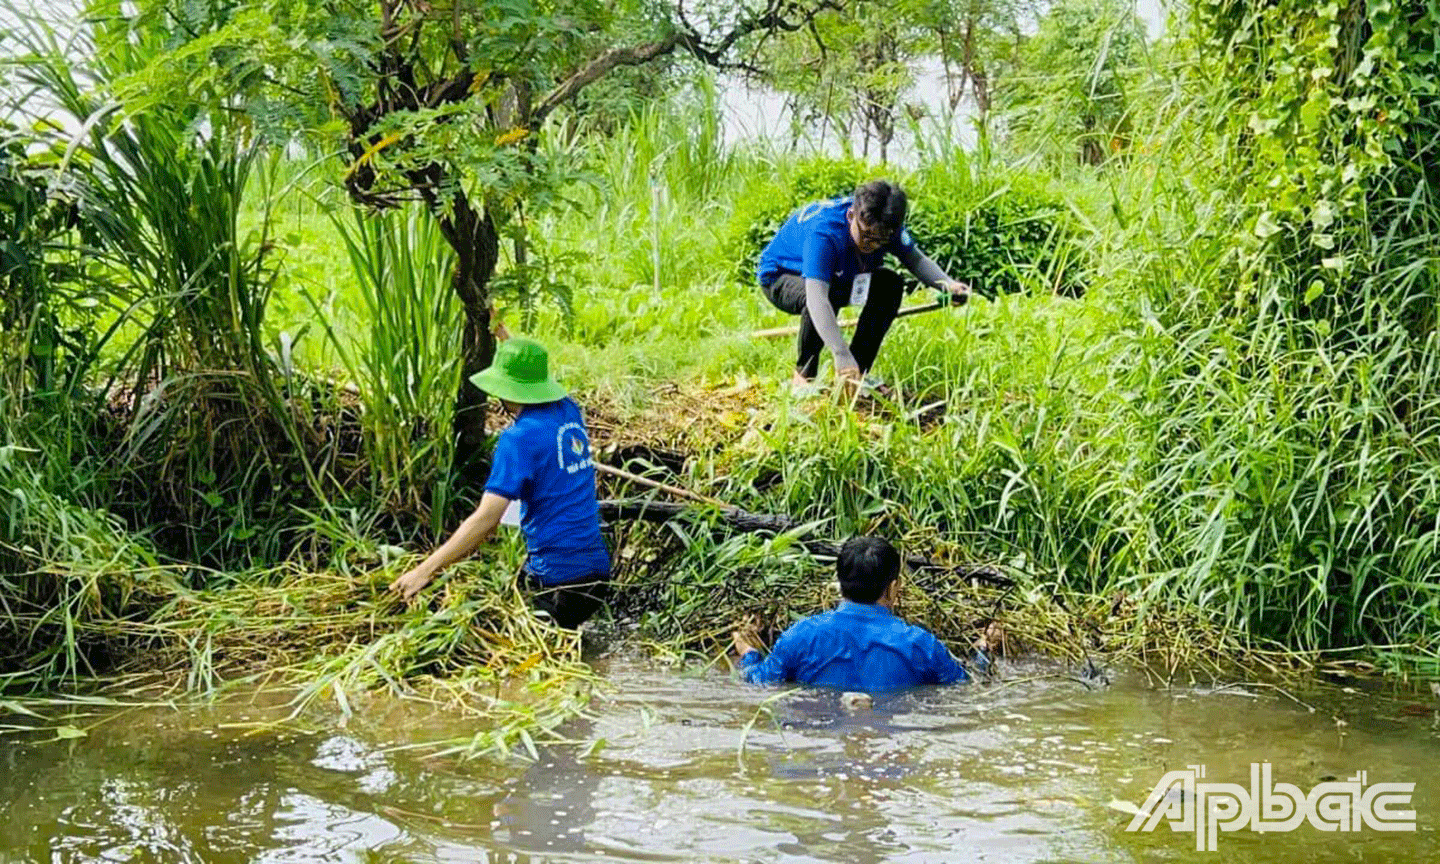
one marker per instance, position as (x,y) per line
(815,242)
(856,646)
(543,461)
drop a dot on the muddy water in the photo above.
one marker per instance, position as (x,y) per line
(1025,772)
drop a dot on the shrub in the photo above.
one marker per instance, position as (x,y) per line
(1016,236)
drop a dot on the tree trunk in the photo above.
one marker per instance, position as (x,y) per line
(476,242)
(967,59)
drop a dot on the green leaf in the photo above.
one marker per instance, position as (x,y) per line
(1316,288)
(67,733)
(1266,225)
(1312,113)
(17,708)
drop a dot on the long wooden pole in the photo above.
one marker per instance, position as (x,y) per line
(794,328)
(664,487)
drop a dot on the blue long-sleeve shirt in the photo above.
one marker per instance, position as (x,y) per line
(856,646)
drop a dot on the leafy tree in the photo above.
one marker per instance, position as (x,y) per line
(979,43)
(850,72)
(442,101)
(1076,69)
(855,72)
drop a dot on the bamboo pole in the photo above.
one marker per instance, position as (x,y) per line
(656,484)
(793,329)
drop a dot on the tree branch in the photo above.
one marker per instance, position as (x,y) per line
(399,91)
(597,68)
(786,15)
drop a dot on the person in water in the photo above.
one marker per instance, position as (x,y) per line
(861,645)
(543,461)
(826,256)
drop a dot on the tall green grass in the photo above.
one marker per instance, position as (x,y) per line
(70,575)
(405,362)
(197,400)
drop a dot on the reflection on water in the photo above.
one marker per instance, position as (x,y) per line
(695,767)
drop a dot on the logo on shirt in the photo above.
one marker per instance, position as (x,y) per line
(573,448)
(808,212)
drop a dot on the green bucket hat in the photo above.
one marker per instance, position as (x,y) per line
(520,373)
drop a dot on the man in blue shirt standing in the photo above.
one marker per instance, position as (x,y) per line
(543,461)
(860,645)
(826,256)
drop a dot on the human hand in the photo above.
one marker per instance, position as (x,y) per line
(741,643)
(991,639)
(959,291)
(746,637)
(849,378)
(412,583)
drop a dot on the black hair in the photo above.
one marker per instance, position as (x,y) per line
(882,203)
(865,567)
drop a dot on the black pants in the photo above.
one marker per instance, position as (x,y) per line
(787,292)
(571,604)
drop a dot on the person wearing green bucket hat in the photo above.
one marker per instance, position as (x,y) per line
(543,461)
(520,374)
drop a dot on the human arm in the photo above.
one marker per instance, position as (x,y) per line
(928,272)
(510,472)
(476,528)
(774,669)
(827,324)
(817,264)
(941,667)
(991,641)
